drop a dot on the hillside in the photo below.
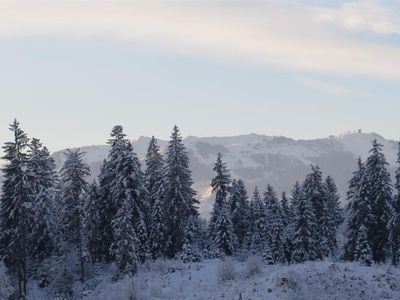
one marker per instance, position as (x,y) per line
(261,160)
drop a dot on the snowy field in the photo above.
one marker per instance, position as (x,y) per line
(213,279)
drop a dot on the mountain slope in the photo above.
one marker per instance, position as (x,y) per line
(261,160)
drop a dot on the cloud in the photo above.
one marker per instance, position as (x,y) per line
(326,87)
(364,15)
(257,32)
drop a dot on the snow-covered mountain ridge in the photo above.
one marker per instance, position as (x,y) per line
(261,159)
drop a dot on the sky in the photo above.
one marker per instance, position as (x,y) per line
(71,69)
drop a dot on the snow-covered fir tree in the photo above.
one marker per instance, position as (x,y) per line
(286,210)
(359,210)
(363,251)
(73,187)
(42,180)
(190,249)
(327,244)
(125,243)
(129,186)
(333,199)
(224,238)
(304,229)
(15,209)
(313,189)
(155,184)
(155,172)
(179,202)
(275,243)
(156,231)
(221,229)
(295,195)
(379,192)
(91,229)
(394,219)
(106,204)
(257,235)
(240,210)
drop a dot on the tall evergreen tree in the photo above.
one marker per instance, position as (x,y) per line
(394,220)
(73,187)
(363,250)
(295,195)
(304,229)
(155,184)
(359,210)
(155,171)
(221,229)
(156,233)
(380,194)
(190,249)
(15,212)
(313,190)
(42,181)
(125,242)
(106,205)
(258,227)
(286,210)
(91,227)
(180,202)
(224,237)
(275,245)
(129,186)
(240,210)
(333,199)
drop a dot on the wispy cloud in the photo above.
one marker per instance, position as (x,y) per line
(264,33)
(364,15)
(327,87)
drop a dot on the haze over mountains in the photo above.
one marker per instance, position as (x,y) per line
(261,160)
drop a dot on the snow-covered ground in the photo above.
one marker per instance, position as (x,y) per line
(213,279)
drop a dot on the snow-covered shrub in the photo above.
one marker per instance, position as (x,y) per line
(253,265)
(226,269)
(6,289)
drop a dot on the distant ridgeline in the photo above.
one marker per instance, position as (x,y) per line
(137,211)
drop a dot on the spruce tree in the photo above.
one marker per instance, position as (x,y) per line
(380,194)
(155,184)
(91,227)
(106,205)
(295,195)
(125,243)
(286,210)
(128,190)
(190,249)
(180,202)
(157,235)
(15,209)
(42,181)
(304,229)
(275,243)
(333,199)
(363,250)
(224,238)
(155,171)
(220,185)
(258,227)
(221,229)
(313,189)
(73,187)
(394,220)
(240,210)
(359,210)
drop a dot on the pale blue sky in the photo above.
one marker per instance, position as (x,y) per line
(70,71)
